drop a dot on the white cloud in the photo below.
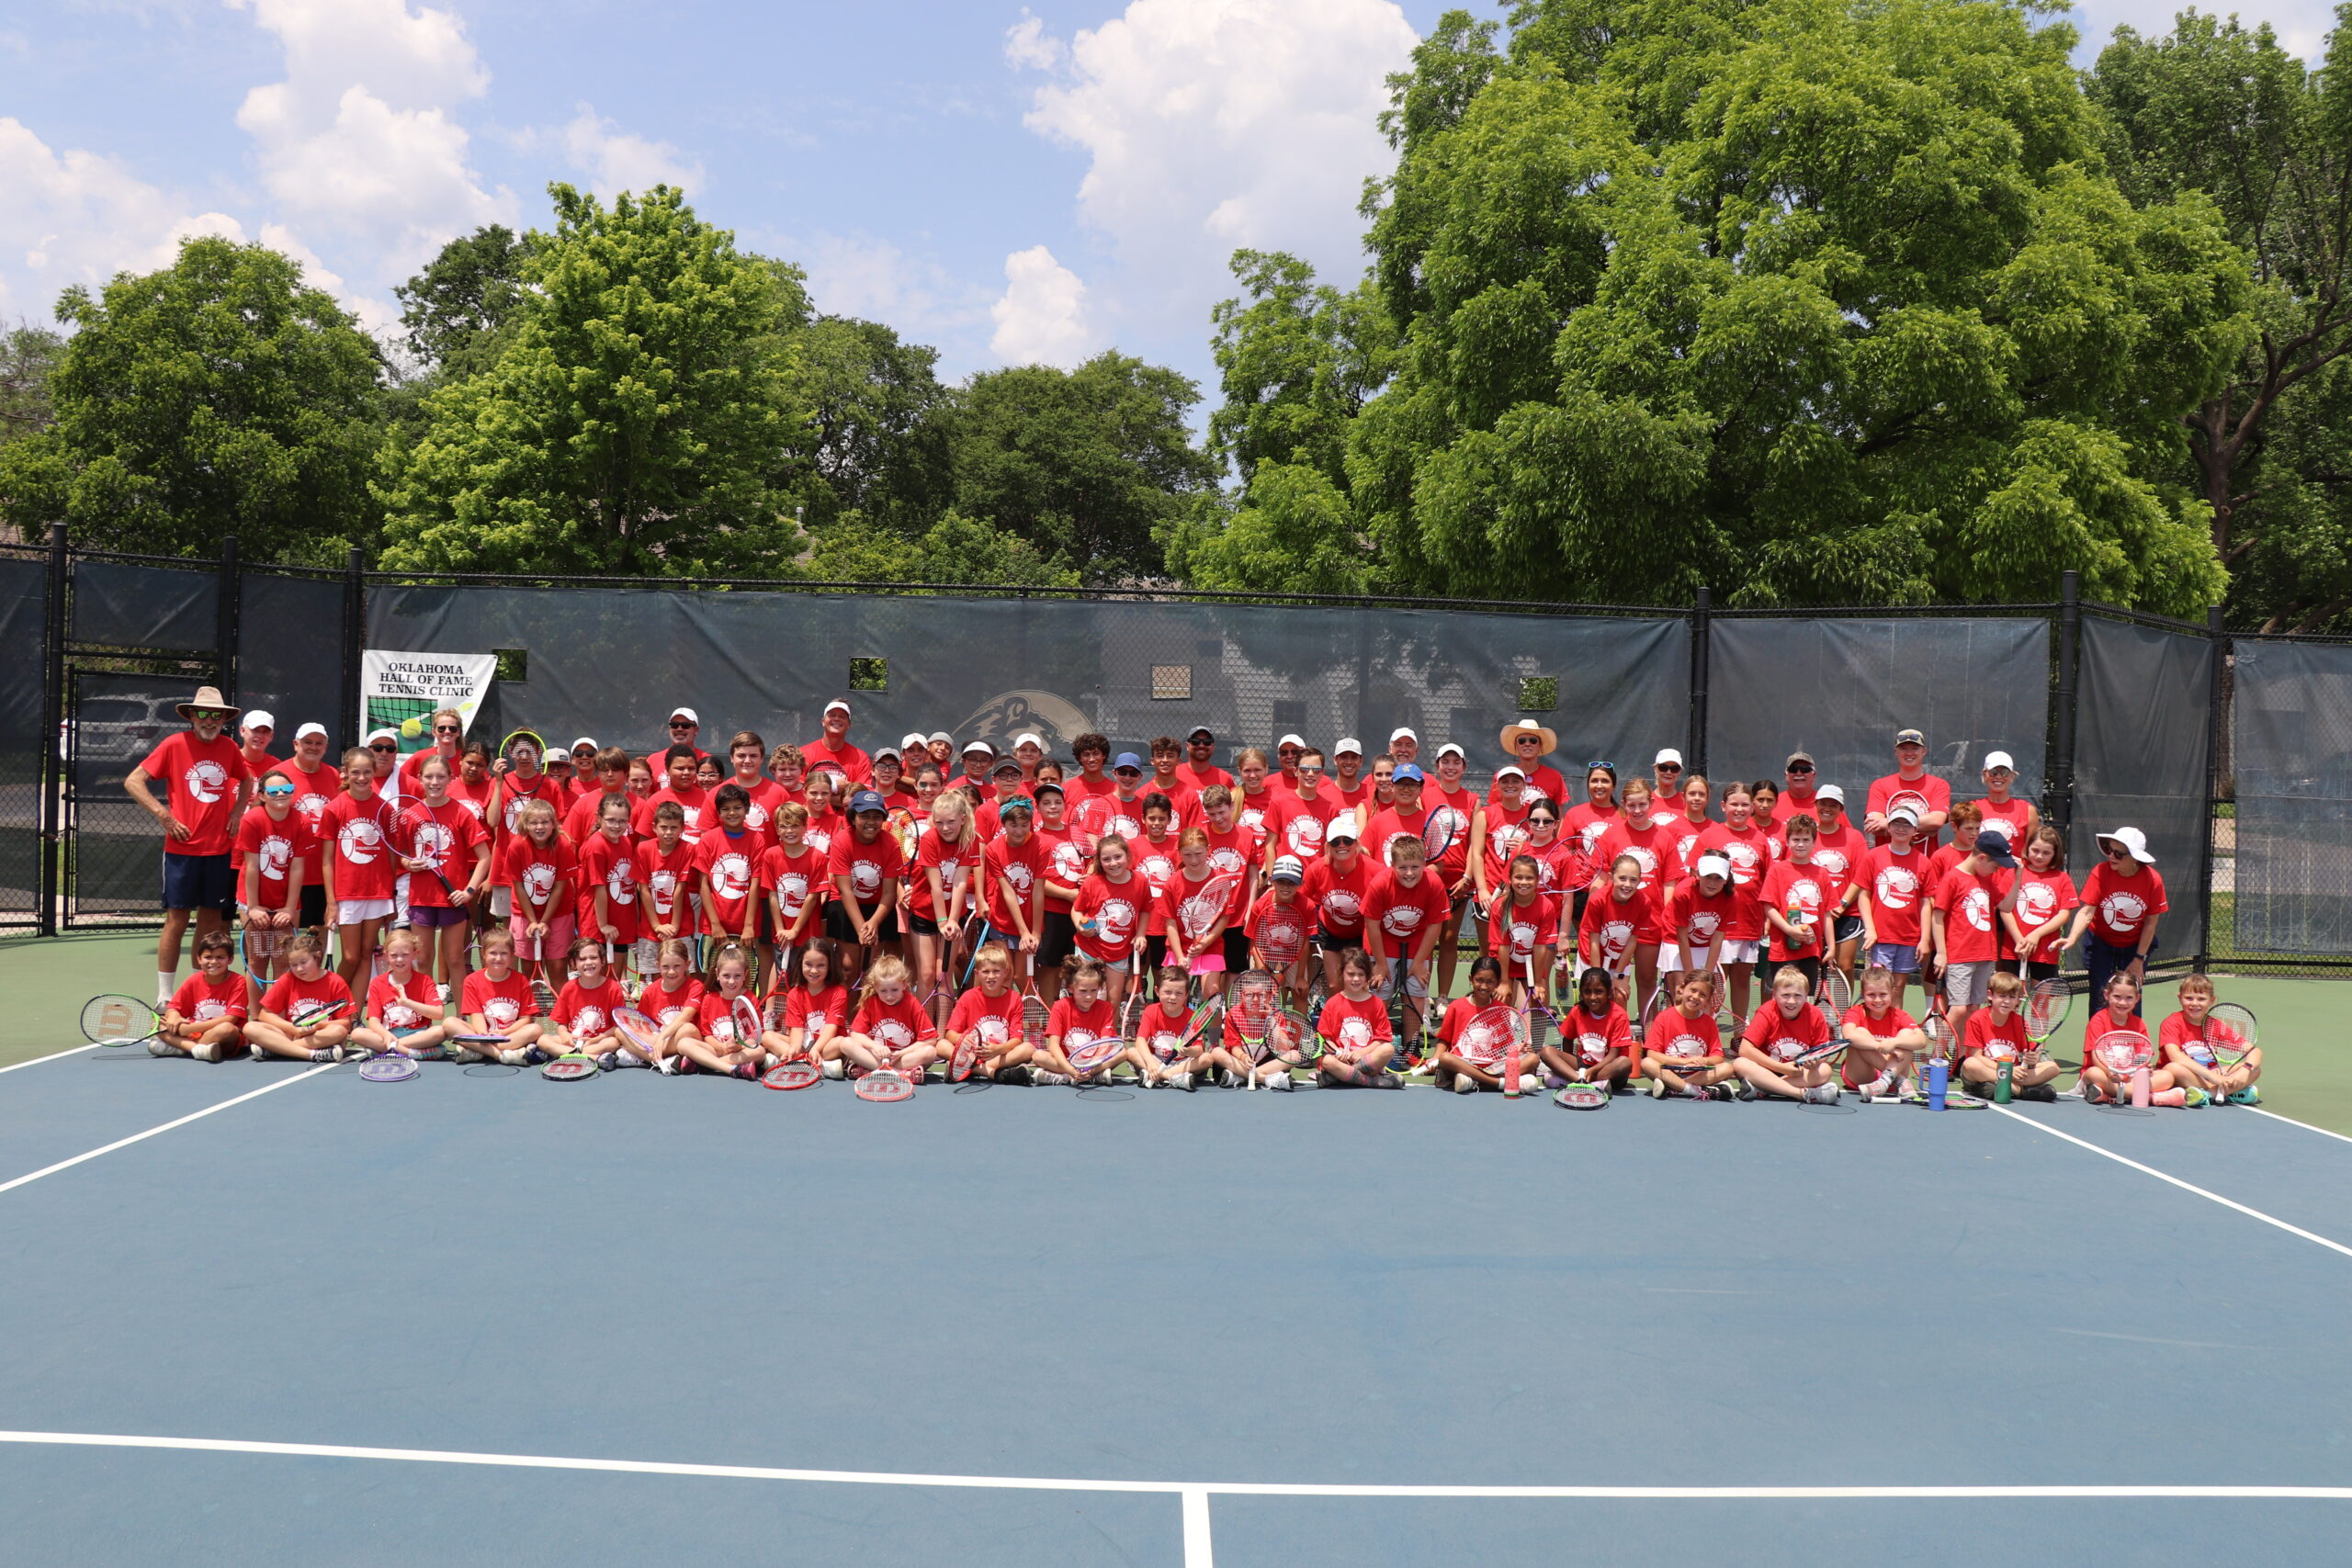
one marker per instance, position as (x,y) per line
(1026,47)
(1041,319)
(374,314)
(2302,25)
(80,217)
(615,160)
(860,275)
(1213,124)
(358,141)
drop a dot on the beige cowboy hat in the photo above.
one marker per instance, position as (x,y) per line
(209,697)
(1512,732)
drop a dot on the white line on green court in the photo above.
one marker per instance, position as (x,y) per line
(2175,1180)
(52,1056)
(151,1131)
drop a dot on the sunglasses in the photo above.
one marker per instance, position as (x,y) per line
(681,723)
(585,752)
(1801,772)
(274,790)
(1601,767)
(206,713)
(1669,767)
(382,746)
(445,730)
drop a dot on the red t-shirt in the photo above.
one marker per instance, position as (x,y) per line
(1021,865)
(700,818)
(1235,850)
(275,847)
(1541,779)
(1506,836)
(1352,1025)
(411,769)
(1561,864)
(204,1000)
(394,1004)
(1407,918)
(1586,823)
(583,1010)
(444,835)
(535,870)
(766,795)
(1065,860)
(795,881)
(1116,911)
(2121,906)
(1183,799)
(1269,919)
(514,793)
(1183,889)
(1842,856)
(893,1025)
(360,832)
(664,883)
(501,1004)
(1787,884)
(1515,931)
(1610,930)
(200,780)
(1938,794)
(932,854)
(313,794)
(1782,1038)
(816,1012)
(581,823)
(2103,1022)
(1972,915)
(1596,1038)
(733,864)
(844,759)
(1104,815)
(1161,1032)
(1200,779)
(1676,1037)
(2001,1041)
(997,1017)
(295,999)
(1157,862)
(1713,920)
(715,1017)
(665,1007)
(1897,887)
(1391,825)
(2042,896)
(2012,814)
(1077,1027)
(1485,1046)
(611,865)
(1339,897)
(1651,847)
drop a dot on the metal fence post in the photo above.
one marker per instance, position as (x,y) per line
(224,623)
(355,638)
(2060,805)
(52,737)
(1702,608)
(2217,628)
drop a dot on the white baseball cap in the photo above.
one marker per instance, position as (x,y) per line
(688,714)
(587,741)
(1457,750)
(382,734)
(1348,743)
(1903,813)
(1714,865)
(1401,733)
(1293,740)
(1287,869)
(982,746)
(259,719)
(915,739)
(1028,738)
(310,729)
(1509,770)
(942,736)
(1830,792)
(1668,755)
(1992,759)
(836,702)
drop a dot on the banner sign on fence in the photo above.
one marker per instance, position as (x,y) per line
(401,692)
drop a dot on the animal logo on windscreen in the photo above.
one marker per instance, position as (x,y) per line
(1055,719)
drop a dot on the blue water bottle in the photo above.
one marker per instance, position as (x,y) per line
(1939,1079)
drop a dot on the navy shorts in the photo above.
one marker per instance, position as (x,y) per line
(199,881)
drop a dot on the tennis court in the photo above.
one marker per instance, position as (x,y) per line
(482,1318)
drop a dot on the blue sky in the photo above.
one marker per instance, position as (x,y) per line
(1008,183)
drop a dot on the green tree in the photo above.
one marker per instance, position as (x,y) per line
(1819,301)
(2221,111)
(1090,467)
(29,357)
(637,421)
(877,412)
(218,395)
(955,549)
(457,313)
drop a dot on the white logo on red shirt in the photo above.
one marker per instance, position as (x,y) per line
(1977,904)
(730,876)
(620,883)
(1522,937)
(1895,887)
(1704,924)
(591,1020)
(277,856)
(502,1012)
(895,1035)
(2122,912)
(538,882)
(1343,906)
(358,840)
(1355,1034)
(208,781)
(2036,902)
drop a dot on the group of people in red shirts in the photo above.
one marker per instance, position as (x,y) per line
(1131,863)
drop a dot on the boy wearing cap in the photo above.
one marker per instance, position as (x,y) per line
(1892,894)
(865,867)
(1118,813)
(1964,927)
(207,787)
(1348,782)
(1013,872)
(977,758)
(1283,907)
(833,750)
(2123,898)
(1910,778)
(1839,850)
(255,732)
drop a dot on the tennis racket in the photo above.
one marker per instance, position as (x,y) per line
(967,1051)
(1837,992)
(1520,1035)
(115,1020)
(1207,1014)
(1294,1039)
(1440,829)
(570,1067)
(799,1073)
(1907,799)
(1033,1007)
(1654,1007)
(2232,1031)
(643,1033)
(2045,1014)
(1094,1053)
(1582,1096)
(886,1087)
(1490,1038)
(1252,1012)
(745,1013)
(389,1067)
(507,747)
(1834,1046)
(1282,936)
(2128,1056)
(1199,914)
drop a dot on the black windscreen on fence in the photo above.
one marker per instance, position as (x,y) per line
(1841,688)
(24,600)
(611,663)
(114,867)
(2142,759)
(126,605)
(2290,877)
(289,654)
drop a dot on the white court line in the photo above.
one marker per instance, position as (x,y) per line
(141,1137)
(2290,1121)
(76,1050)
(1202,1490)
(2160,1175)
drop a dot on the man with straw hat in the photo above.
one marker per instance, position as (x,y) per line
(206,788)
(1523,743)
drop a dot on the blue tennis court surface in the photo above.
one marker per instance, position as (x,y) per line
(626,1320)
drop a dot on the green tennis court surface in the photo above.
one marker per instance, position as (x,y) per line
(273,1315)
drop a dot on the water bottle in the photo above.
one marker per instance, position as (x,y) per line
(1938,1080)
(2001,1085)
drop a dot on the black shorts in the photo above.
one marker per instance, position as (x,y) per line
(2038,972)
(1155,953)
(1849,928)
(1237,950)
(1576,911)
(199,881)
(838,927)
(314,910)
(1808,968)
(1058,940)
(921,925)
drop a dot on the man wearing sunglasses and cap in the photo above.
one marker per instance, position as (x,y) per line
(207,789)
(1799,790)
(834,748)
(2123,898)
(685,725)
(1928,796)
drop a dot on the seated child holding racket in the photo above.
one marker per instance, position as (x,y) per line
(989,1015)
(1596,1043)
(1996,1038)
(1682,1055)
(816,1007)
(1358,1041)
(583,1022)
(723,1036)
(1082,1043)
(1785,1031)
(1474,1034)
(207,1014)
(296,1022)
(1882,1039)
(405,1007)
(673,999)
(2116,1047)
(1165,1030)
(497,1000)
(2199,1043)
(890,1030)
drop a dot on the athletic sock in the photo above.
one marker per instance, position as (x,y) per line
(163,985)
